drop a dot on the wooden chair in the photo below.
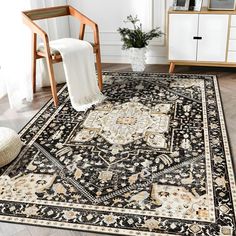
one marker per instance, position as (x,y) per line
(29,18)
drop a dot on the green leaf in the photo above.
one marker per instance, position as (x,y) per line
(136,37)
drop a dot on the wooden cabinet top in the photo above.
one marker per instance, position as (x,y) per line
(204,10)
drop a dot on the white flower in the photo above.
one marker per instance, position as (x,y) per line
(31,211)
(69,215)
(152,224)
(109,219)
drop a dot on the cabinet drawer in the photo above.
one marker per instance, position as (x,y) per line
(232,45)
(233,20)
(231,57)
(233,33)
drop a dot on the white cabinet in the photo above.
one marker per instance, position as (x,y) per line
(213,31)
(181,32)
(202,38)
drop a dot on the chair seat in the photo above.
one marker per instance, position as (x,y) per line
(54,52)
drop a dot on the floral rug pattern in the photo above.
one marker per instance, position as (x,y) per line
(152,159)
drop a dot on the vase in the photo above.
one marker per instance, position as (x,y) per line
(137,58)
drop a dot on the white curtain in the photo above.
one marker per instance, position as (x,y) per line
(15,48)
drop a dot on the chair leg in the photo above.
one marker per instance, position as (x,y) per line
(52,80)
(99,69)
(34,45)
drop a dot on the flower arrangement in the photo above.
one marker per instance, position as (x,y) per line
(136,37)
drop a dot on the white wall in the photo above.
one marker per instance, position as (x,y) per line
(109,15)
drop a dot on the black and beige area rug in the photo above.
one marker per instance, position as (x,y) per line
(153,159)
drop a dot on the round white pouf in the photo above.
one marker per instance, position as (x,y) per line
(10,145)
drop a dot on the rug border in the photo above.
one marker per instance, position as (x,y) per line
(228,141)
(227,132)
(25,221)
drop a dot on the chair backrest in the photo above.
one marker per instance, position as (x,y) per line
(45,13)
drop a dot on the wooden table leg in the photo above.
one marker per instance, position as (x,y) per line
(172,67)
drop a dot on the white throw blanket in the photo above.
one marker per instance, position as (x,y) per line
(78,63)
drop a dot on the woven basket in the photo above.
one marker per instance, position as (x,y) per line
(10,145)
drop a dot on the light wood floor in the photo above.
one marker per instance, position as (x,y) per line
(16,120)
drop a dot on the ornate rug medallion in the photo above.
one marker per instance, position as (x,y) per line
(152,159)
(126,123)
